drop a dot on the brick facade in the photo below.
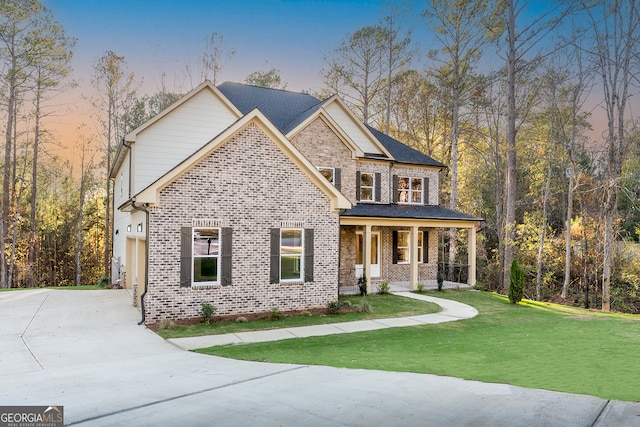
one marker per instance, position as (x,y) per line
(250,185)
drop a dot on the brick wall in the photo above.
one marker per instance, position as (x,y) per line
(250,185)
(324,149)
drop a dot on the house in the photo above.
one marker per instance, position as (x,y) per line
(251,198)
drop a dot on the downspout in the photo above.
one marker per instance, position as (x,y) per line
(144,208)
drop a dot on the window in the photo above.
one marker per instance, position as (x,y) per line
(332,175)
(368,187)
(205,256)
(291,255)
(409,190)
(402,247)
(327,173)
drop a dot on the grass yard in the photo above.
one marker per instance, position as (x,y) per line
(531,344)
(383,306)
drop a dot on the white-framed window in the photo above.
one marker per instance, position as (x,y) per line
(410,190)
(206,255)
(367,186)
(291,254)
(328,173)
(403,247)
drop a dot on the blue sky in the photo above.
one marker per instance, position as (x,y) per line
(162,36)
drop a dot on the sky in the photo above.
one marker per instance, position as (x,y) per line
(159,38)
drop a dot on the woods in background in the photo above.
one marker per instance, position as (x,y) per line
(529,108)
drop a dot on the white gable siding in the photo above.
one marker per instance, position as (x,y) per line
(162,146)
(352,129)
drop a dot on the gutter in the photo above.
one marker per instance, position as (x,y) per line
(144,208)
(128,146)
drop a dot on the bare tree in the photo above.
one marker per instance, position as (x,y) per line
(117,91)
(615,27)
(216,55)
(462,28)
(357,69)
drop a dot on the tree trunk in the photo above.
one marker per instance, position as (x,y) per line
(567,241)
(510,203)
(83,179)
(543,229)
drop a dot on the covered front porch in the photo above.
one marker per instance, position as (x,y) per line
(398,244)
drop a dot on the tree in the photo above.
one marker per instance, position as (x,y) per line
(462,28)
(117,91)
(615,27)
(520,41)
(51,65)
(357,69)
(269,78)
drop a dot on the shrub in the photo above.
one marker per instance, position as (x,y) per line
(206,312)
(103,281)
(333,307)
(276,314)
(420,287)
(166,323)
(440,280)
(516,282)
(241,319)
(383,288)
(362,285)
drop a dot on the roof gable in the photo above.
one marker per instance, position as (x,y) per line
(338,201)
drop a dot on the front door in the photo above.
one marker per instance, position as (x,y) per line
(375,254)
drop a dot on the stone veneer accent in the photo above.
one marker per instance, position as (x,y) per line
(250,185)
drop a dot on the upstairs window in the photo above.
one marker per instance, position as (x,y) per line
(410,190)
(331,174)
(368,187)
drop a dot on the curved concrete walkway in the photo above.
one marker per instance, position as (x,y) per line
(451,311)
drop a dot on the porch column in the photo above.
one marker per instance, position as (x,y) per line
(366,255)
(413,257)
(472,256)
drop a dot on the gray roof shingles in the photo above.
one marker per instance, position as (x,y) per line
(376,210)
(287,109)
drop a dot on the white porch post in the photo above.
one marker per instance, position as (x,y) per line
(472,256)
(413,257)
(366,255)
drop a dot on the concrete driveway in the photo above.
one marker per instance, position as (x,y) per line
(84,350)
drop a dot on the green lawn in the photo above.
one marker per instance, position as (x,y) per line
(531,344)
(382,306)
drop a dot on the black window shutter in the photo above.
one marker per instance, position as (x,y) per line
(394,245)
(227,234)
(337,179)
(308,254)
(425,191)
(274,274)
(425,247)
(185,256)
(378,186)
(394,189)
(358,186)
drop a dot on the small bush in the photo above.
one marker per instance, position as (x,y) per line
(333,307)
(276,314)
(362,285)
(440,280)
(420,287)
(103,281)
(384,288)
(241,319)
(516,282)
(306,313)
(206,312)
(365,307)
